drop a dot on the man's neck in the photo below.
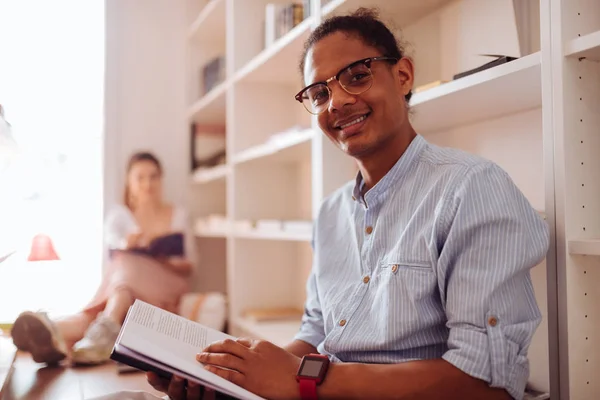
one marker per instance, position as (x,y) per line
(375,166)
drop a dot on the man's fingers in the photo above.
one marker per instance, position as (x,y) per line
(222,360)
(231,376)
(157,382)
(176,390)
(194,391)
(228,346)
(244,342)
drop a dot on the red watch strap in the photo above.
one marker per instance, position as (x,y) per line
(308,389)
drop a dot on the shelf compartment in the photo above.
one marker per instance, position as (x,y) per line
(481,96)
(210,174)
(293,148)
(279,62)
(279,333)
(403,12)
(210,109)
(210,24)
(587,46)
(588,247)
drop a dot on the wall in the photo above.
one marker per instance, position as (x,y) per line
(145,91)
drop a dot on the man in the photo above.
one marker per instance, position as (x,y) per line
(421,286)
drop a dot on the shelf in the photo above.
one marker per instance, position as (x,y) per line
(279,333)
(206,233)
(210,174)
(587,46)
(590,247)
(209,26)
(403,12)
(281,235)
(481,96)
(279,62)
(210,109)
(295,148)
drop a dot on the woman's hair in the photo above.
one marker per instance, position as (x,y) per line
(134,159)
(364,23)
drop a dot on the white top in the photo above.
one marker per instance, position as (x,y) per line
(120,223)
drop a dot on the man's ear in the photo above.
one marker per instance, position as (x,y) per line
(405,73)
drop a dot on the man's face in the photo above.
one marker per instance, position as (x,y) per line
(359,124)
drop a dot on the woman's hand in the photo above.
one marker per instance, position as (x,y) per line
(178,389)
(134,240)
(258,366)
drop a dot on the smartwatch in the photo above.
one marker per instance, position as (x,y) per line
(311,373)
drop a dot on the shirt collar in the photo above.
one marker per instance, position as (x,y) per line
(399,169)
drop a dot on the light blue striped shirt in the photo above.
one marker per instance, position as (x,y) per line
(434,261)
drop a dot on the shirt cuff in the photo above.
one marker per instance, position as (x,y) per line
(489,356)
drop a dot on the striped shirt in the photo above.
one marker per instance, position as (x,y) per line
(433,261)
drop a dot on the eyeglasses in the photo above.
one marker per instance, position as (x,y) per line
(355,78)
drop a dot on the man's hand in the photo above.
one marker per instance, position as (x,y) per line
(258,366)
(178,389)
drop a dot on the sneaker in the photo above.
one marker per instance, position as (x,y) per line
(35,333)
(98,342)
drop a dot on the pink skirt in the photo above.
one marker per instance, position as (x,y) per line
(145,278)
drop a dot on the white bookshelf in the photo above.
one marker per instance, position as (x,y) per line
(536,116)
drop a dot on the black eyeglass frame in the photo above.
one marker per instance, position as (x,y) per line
(366,61)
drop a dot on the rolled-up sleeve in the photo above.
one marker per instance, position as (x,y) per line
(492,237)
(312,329)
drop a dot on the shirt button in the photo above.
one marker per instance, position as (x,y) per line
(366,279)
(343,322)
(394,268)
(369,230)
(493,321)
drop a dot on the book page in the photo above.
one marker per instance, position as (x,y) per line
(184,338)
(174,340)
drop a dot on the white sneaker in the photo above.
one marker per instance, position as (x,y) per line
(98,342)
(35,333)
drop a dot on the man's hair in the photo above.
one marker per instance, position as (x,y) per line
(366,25)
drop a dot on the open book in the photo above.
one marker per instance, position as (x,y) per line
(170,245)
(152,339)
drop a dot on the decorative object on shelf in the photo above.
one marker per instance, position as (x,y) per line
(281,18)
(212,74)
(213,223)
(208,146)
(500,59)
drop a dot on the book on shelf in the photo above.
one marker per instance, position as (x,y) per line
(212,74)
(152,339)
(281,18)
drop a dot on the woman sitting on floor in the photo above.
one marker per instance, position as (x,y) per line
(90,334)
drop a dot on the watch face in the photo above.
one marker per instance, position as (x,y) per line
(311,368)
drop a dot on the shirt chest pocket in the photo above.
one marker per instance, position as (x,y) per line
(409,287)
(416,279)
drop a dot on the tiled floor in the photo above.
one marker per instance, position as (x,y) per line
(32,381)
